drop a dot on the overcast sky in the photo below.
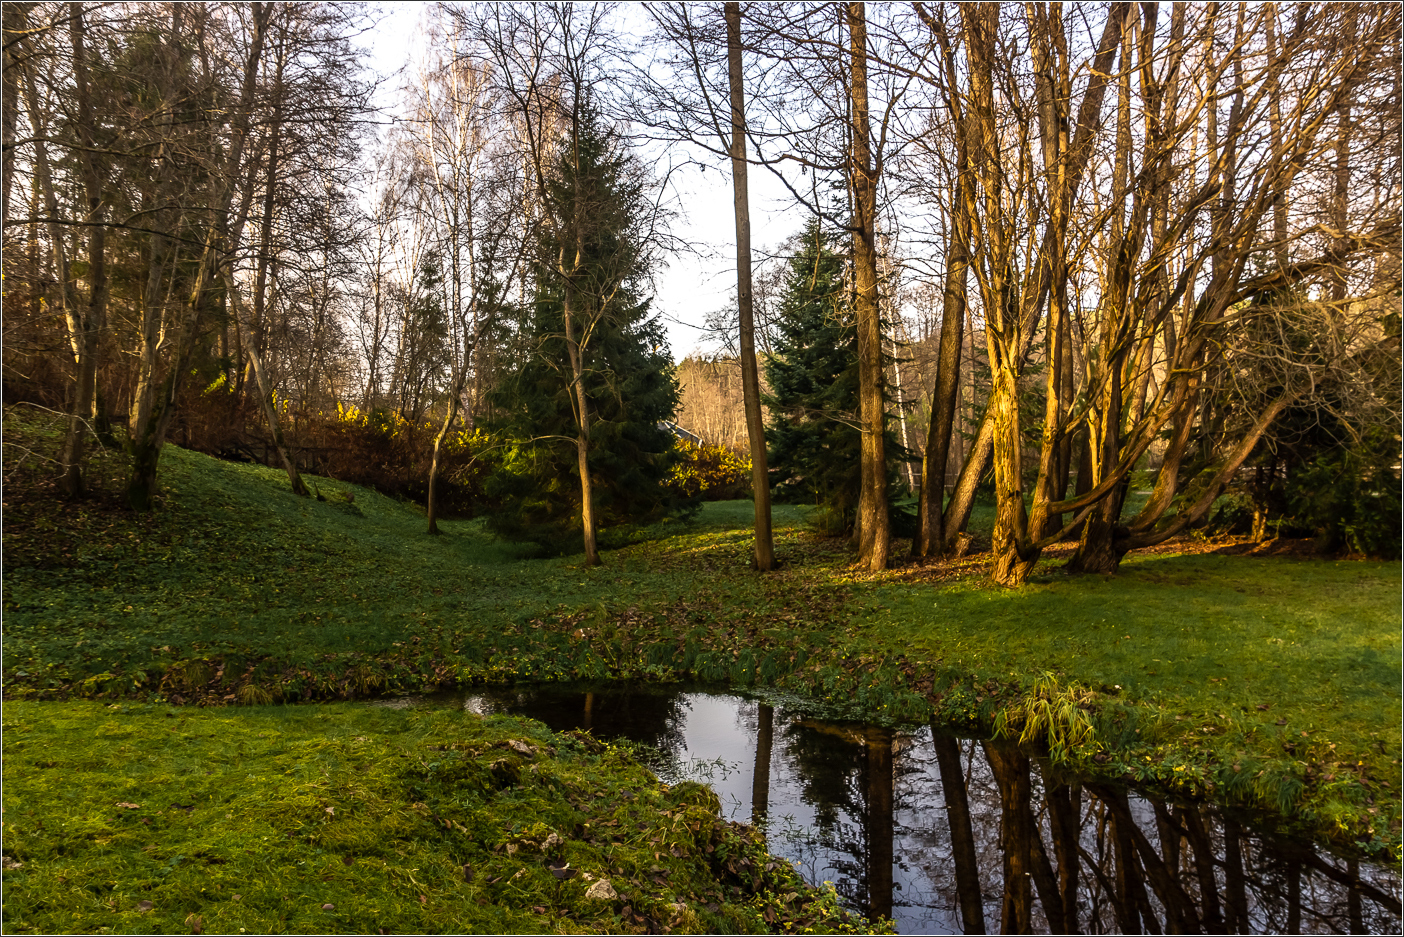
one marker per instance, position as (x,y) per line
(690,286)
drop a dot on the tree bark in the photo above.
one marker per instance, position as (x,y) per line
(251,326)
(155,396)
(874,532)
(582,435)
(764,552)
(946,392)
(1064,808)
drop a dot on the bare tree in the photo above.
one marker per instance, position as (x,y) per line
(694,103)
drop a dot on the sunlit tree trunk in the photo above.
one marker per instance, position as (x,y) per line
(946,392)
(874,533)
(764,551)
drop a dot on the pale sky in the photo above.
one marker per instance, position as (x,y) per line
(691,285)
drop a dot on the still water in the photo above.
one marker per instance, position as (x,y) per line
(949,835)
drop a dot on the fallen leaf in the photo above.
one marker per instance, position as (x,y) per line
(602,891)
(195,923)
(145,905)
(130,806)
(331,810)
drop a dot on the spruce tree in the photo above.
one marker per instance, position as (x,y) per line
(627,368)
(814,435)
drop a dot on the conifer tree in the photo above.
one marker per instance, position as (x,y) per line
(626,367)
(814,432)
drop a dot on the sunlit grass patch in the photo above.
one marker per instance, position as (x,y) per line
(1287,669)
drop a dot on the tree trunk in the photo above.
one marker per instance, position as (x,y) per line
(945,393)
(1235,886)
(1064,809)
(432,508)
(874,533)
(764,554)
(582,435)
(265,392)
(154,399)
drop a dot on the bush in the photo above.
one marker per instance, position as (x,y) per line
(712,473)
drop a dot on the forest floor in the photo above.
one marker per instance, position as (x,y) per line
(1267,682)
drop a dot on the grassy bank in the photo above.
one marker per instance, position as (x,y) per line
(1270,683)
(354,818)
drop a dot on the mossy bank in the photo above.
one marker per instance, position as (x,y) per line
(354,818)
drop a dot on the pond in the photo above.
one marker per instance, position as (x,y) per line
(952,835)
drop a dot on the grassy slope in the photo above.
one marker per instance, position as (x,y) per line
(238,591)
(351,818)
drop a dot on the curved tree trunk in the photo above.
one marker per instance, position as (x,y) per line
(432,509)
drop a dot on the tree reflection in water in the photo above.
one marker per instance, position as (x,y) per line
(949,834)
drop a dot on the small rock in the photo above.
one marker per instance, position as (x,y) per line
(145,905)
(602,890)
(328,907)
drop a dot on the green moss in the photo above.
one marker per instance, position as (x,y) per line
(256,820)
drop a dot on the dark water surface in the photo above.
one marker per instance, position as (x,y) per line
(950,835)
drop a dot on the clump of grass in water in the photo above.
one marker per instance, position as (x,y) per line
(1051,715)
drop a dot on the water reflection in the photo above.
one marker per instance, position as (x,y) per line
(950,835)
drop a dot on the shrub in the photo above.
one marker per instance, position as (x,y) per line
(713,473)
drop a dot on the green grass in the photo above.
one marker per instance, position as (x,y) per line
(236,591)
(353,818)
(1288,667)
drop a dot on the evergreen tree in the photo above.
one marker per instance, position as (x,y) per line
(814,435)
(627,369)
